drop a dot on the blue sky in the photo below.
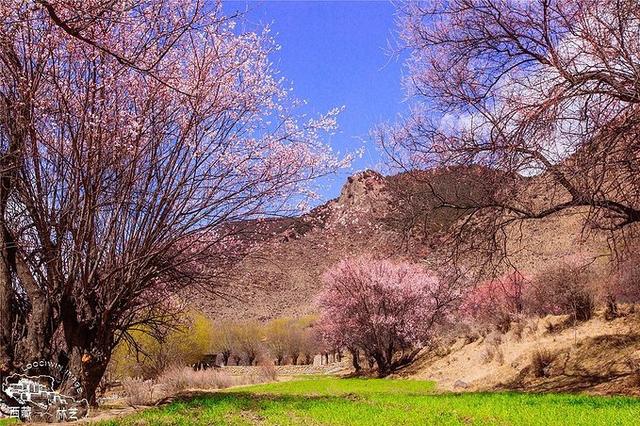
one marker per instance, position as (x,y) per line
(336,53)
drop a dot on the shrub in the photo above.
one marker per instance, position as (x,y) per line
(268,372)
(496,302)
(174,380)
(492,352)
(178,379)
(517,329)
(384,308)
(540,360)
(141,392)
(563,289)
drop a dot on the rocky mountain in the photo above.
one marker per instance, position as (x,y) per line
(400,215)
(282,277)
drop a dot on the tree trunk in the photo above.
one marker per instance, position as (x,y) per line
(91,370)
(6,311)
(89,350)
(612,308)
(405,359)
(8,165)
(37,344)
(355,359)
(371,362)
(383,366)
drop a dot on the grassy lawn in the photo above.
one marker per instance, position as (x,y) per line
(334,401)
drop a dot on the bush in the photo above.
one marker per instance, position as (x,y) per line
(268,372)
(493,350)
(565,289)
(496,302)
(141,392)
(178,379)
(540,360)
(174,380)
(517,329)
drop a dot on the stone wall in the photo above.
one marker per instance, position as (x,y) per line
(290,370)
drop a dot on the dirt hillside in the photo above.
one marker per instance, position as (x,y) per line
(547,354)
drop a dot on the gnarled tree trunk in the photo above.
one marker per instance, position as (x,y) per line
(89,344)
(6,311)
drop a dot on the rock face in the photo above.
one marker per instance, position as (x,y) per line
(364,192)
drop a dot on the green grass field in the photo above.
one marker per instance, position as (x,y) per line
(334,401)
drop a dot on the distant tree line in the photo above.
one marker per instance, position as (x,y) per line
(200,340)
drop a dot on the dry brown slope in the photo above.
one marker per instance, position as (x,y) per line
(597,356)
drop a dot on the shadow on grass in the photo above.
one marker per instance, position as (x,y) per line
(251,400)
(238,407)
(245,399)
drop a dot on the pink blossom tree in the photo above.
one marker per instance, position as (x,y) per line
(623,284)
(140,143)
(496,302)
(386,309)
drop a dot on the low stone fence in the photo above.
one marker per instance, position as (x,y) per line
(289,370)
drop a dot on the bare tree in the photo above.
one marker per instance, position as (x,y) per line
(541,96)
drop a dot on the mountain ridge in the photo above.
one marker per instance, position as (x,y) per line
(396,216)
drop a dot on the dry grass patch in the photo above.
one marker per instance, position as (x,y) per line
(176,380)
